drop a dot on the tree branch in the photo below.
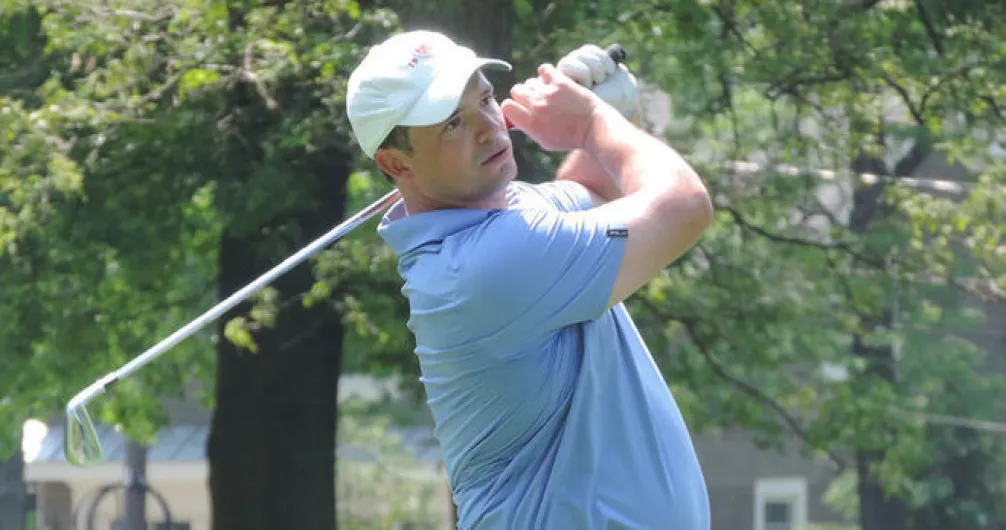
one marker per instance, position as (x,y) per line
(907,99)
(128,13)
(930,29)
(157,93)
(995,106)
(731,27)
(778,238)
(935,87)
(247,74)
(745,387)
(789,86)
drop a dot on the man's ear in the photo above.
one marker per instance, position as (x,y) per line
(393,162)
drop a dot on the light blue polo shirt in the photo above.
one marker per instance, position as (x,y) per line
(549,409)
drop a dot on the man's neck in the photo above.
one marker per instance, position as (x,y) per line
(416,203)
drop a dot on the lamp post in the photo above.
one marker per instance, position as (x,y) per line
(135,489)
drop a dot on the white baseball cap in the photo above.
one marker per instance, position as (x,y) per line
(413,79)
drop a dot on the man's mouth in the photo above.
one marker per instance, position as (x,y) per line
(496,155)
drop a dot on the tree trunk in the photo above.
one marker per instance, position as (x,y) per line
(271,447)
(12,492)
(272,441)
(878,511)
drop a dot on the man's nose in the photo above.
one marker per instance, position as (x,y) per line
(489,124)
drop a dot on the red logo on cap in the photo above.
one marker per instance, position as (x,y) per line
(422,51)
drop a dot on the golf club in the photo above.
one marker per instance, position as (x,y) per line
(82,444)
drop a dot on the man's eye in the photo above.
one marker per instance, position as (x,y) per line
(453,124)
(487,99)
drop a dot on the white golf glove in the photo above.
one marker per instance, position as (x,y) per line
(591,67)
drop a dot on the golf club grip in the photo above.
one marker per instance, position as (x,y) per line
(617,53)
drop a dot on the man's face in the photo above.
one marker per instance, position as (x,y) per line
(464,160)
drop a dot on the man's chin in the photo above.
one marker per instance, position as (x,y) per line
(505,169)
(496,183)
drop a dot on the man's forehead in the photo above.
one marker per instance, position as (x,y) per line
(477,83)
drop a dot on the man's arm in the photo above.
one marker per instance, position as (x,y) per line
(618,90)
(665,207)
(580,167)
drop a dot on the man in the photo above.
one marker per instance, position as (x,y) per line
(549,409)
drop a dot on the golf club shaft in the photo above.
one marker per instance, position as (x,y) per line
(333,235)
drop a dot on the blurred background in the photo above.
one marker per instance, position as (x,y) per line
(836,341)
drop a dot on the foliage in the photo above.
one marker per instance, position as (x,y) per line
(359,278)
(381,483)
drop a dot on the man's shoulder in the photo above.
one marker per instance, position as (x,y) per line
(503,237)
(560,195)
(471,252)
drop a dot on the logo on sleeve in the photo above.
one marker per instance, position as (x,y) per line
(618,232)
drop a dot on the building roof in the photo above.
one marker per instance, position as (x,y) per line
(187,443)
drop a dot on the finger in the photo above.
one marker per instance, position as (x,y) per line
(575,69)
(597,73)
(547,72)
(515,114)
(521,93)
(534,84)
(594,58)
(607,63)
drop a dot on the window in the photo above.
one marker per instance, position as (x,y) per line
(778,516)
(780,503)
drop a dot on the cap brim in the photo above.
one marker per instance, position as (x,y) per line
(443,95)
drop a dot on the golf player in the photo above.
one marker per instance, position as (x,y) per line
(548,407)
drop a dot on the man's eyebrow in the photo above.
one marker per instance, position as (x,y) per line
(487,88)
(452,116)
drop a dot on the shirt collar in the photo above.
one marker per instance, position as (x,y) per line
(403,232)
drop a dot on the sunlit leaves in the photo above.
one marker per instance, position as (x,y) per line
(380,479)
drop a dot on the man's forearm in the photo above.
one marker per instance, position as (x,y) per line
(633,157)
(579,166)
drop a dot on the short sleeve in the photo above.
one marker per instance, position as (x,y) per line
(529,272)
(566,195)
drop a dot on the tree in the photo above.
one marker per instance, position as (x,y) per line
(163,156)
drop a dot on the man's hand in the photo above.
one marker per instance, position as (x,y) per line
(591,67)
(552,109)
